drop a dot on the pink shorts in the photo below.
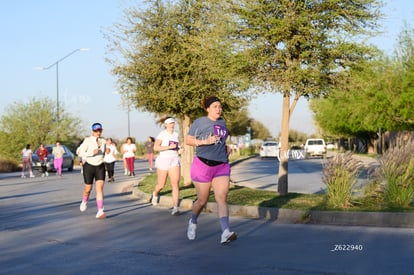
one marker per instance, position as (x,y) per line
(201,172)
(167,162)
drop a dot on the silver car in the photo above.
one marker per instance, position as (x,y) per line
(68,159)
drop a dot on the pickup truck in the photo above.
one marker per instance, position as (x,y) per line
(315,147)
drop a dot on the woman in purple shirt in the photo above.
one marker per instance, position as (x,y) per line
(210,167)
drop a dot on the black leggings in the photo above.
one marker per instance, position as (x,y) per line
(110,167)
(43,165)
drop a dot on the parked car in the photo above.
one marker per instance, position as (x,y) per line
(315,147)
(330,146)
(68,159)
(269,149)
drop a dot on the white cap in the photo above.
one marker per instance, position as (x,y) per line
(169,120)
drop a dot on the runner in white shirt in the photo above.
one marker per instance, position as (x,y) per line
(110,159)
(168,163)
(92,152)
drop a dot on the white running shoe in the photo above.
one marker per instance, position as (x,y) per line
(228,236)
(154,200)
(101,214)
(83,206)
(175,211)
(191,230)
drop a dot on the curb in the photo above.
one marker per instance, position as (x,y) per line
(374,219)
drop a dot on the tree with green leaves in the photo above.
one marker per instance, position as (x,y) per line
(297,136)
(345,111)
(170,56)
(238,121)
(259,130)
(404,99)
(302,49)
(32,123)
(378,95)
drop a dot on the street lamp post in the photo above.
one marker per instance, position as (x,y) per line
(129,122)
(126,98)
(56,63)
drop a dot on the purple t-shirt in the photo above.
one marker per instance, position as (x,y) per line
(201,128)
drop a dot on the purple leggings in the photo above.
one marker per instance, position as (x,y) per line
(57,162)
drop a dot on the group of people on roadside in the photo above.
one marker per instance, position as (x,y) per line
(42,154)
(110,156)
(210,168)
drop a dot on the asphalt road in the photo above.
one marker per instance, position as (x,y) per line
(42,231)
(305,175)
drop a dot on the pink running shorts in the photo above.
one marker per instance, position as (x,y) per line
(201,172)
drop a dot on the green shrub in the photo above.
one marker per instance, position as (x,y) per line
(8,165)
(340,175)
(247,151)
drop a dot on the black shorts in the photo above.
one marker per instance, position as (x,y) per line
(91,172)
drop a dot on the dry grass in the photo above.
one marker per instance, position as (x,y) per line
(394,179)
(340,175)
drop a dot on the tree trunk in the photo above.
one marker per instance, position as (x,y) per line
(282,183)
(187,156)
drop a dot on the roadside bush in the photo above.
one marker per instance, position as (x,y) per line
(247,151)
(140,149)
(8,166)
(396,174)
(340,175)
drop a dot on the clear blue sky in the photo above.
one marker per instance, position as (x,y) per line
(38,33)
